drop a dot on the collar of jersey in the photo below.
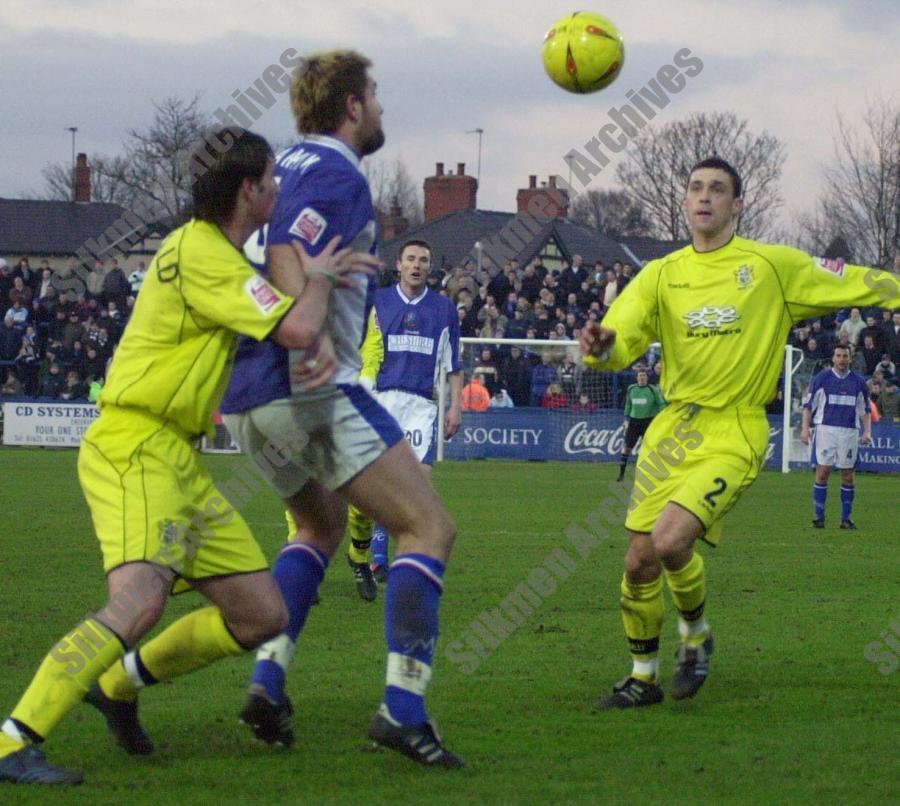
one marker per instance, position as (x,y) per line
(337,145)
(415,300)
(842,377)
(714,252)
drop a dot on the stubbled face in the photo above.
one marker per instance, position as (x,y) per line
(262,195)
(642,378)
(710,204)
(370,136)
(841,359)
(414,265)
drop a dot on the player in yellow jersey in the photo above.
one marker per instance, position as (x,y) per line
(160,520)
(722,309)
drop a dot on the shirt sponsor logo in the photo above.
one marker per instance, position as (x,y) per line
(711,317)
(832,266)
(309,225)
(841,400)
(265,297)
(406,343)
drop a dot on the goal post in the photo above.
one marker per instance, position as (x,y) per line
(796,377)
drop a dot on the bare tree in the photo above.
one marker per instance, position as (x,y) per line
(156,163)
(152,174)
(390,183)
(659,160)
(611,212)
(861,200)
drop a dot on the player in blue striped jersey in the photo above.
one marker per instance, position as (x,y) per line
(412,339)
(838,404)
(349,448)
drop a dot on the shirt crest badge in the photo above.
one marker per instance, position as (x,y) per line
(744,277)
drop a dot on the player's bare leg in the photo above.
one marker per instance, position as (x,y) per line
(397,494)
(320,517)
(381,539)
(247,609)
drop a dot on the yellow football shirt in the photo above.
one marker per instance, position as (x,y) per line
(723,317)
(175,356)
(372,350)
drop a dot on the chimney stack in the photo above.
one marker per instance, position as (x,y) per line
(81,179)
(543,202)
(448,193)
(394,223)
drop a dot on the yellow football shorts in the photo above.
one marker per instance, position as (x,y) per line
(152,500)
(699,458)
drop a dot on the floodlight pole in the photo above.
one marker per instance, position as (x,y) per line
(73,129)
(479,132)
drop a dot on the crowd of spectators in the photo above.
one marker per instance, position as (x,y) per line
(873,338)
(534,303)
(57,336)
(56,343)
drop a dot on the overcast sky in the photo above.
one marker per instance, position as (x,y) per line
(442,68)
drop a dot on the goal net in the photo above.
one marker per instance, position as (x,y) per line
(545,405)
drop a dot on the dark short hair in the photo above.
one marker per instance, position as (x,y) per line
(220,164)
(837,347)
(414,242)
(722,165)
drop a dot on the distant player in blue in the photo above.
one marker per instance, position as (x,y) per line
(412,339)
(838,403)
(345,446)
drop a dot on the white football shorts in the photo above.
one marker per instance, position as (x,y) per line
(417,418)
(330,435)
(834,446)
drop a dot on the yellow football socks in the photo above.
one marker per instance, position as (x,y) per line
(192,642)
(66,674)
(688,588)
(360,528)
(642,615)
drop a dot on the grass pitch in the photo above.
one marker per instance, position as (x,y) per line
(792,711)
